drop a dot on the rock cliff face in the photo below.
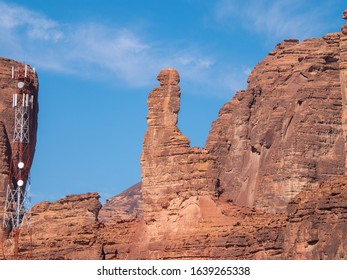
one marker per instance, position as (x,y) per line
(316,225)
(284,133)
(270,183)
(65,229)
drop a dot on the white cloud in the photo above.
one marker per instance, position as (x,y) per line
(117,53)
(109,53)
(276,19)
(32,24)
(91,50)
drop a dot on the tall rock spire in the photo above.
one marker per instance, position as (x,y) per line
(172,171)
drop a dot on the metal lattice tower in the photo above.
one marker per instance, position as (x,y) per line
(18,201)
(21,130)
(17,207)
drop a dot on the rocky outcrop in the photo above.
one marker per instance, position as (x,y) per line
(172,171)
(315,227)
(270,183)
(124,206)
(65,229)
(282,136)
(284,133)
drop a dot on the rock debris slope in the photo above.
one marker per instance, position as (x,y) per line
(269,184)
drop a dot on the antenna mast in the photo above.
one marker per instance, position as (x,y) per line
(17,204)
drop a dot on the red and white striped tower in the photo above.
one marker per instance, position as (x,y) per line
(17,196)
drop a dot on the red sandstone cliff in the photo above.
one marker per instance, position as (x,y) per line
(284,133)
(270,183)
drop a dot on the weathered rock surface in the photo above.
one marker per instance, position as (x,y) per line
(65,229)
(281,137)
(316,226)
(212,231)
(284,133)
(124,206)
(172,171)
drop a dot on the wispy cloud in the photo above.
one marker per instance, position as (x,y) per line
(133,59)
(84,49)
(276,20)
(90,49)
(32,24)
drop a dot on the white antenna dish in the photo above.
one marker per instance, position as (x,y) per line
(20,165)
(20,183)
(20,85)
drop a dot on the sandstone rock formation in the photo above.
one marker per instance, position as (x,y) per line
(284,133)
(126,205)
(316,225)
(177,171)
(275,141)
(270,183)
(65,229)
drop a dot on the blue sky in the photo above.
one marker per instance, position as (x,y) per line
(98,60)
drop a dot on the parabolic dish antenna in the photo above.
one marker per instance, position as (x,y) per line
(20,165)
(20,84)
(20,183)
